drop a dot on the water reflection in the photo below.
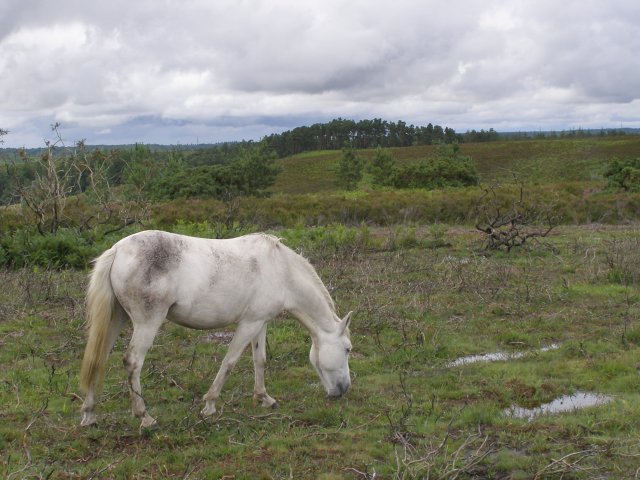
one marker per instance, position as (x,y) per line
(498,356)
(566,403)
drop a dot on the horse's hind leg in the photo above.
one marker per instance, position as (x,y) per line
(259,347)
(143,335)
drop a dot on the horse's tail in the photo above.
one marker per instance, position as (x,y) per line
(101,318)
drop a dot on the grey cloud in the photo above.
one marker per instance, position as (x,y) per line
(248,67)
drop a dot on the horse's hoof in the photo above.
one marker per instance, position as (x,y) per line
(148,422)
(209,409)
(275,405)
(265,401)
(88,419)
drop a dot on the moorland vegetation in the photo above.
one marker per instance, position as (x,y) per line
(526,247)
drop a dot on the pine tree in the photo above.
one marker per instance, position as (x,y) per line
(350,169)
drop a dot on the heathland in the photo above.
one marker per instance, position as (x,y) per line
(429,285)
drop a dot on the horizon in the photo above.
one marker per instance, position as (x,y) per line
(70,143)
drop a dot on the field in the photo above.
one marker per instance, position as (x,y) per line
(565,309)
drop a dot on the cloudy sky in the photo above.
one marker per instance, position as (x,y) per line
(187,71)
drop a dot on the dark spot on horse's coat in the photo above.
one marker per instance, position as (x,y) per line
(161,253)
(149,300)
(215,261)
(128,364)
(254,266)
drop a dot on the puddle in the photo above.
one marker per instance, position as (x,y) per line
(498,356)
(566,403)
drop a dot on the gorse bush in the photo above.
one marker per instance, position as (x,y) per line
(624,174)
(65,249)
(444,169)
(250,172)
(206,181)
(436,173)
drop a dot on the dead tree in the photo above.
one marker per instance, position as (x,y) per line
(46,195)
(73,174)
(513,225)
(108,207)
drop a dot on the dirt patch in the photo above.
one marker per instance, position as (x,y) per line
(221,337)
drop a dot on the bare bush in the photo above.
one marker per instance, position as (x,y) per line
(66,177)
(46,196)
(511,224)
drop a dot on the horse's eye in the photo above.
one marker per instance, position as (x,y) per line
(348,349)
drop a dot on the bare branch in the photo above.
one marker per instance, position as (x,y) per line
(522,222)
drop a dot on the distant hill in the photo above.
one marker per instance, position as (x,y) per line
(541,160)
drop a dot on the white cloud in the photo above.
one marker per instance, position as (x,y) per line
(194,68)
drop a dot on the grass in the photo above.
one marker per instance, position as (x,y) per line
(423,297)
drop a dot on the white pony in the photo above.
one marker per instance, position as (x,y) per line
(203,283)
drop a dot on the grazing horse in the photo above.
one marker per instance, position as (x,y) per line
(203,284)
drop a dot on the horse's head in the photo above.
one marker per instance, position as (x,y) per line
(330,357)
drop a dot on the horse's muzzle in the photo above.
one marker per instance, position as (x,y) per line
(340,390)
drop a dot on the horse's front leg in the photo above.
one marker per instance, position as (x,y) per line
(244,333)
(259,347)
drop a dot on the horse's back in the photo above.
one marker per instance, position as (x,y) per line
(196,279)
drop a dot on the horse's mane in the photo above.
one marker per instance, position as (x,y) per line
(277,242)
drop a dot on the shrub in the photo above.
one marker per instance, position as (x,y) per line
(381,168)
(206,181)
(446,169)
(624,174)
(250,171)
(66,248)
(623,259)
(330,238)
(402,237)
(207,229)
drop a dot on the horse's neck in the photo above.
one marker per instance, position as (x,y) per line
(310,301)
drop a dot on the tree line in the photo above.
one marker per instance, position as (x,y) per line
(337,133)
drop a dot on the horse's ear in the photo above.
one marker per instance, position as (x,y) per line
(346,321)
